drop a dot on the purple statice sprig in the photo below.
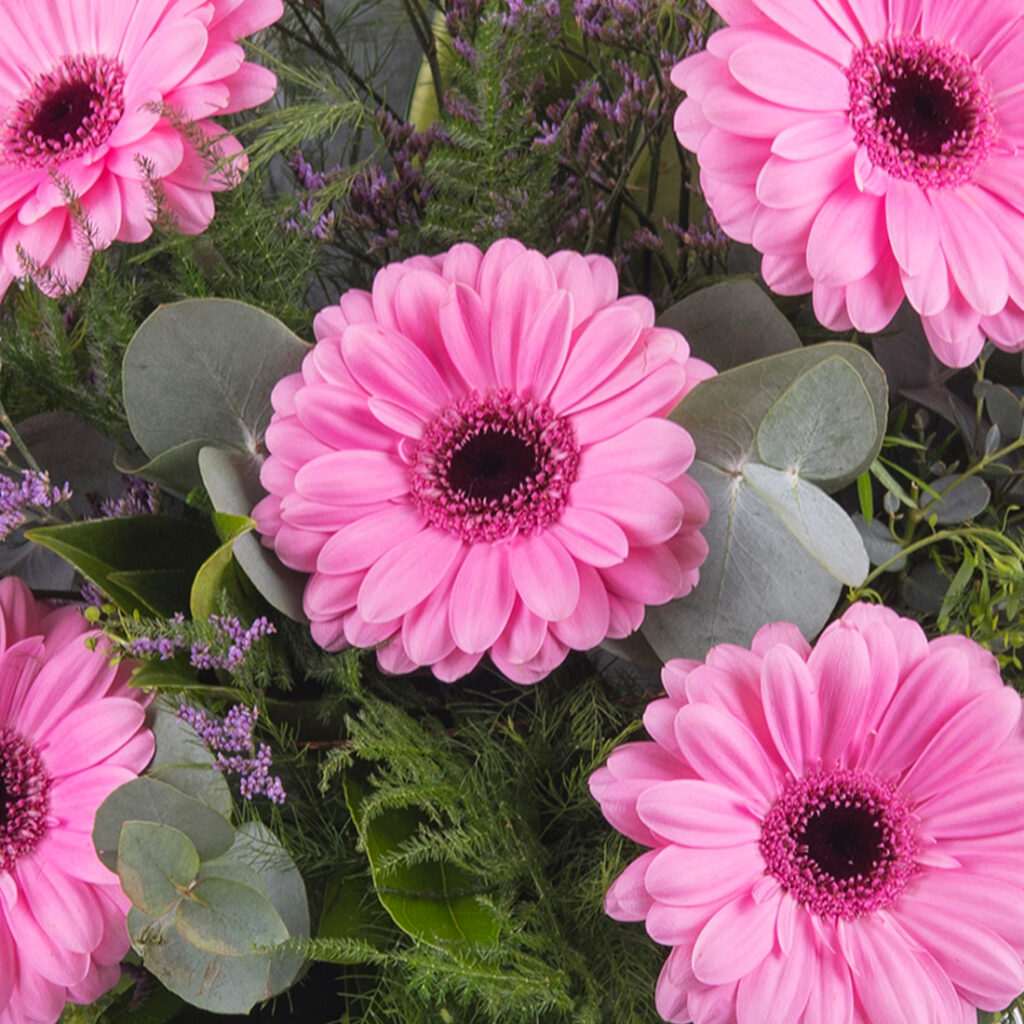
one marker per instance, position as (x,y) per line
(26,495)
(231,742)
(309,183)
(221,642)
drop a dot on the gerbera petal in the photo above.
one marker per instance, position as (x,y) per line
(735,941)
(724,751)
(406,574)
(791,710)
(695,877)
(545,576)
(482,597)
(693,812)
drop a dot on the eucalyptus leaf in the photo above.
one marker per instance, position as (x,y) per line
(825,411)
(144,563)
(731,323)
(155,863)
(1004,409)
(879,543)
(724,414)
(228,919)
(174,469)
(206,981)
(232,480)
(183,762)
(256,846)
(779,548)
(432,901)
(204,368)
(146,799)
(961,498)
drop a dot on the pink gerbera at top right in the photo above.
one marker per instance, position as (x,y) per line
(871,151)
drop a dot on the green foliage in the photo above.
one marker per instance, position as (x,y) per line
(492,784)
(215,909)
(772,437)
(490,180)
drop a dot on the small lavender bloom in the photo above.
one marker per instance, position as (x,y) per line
(231,741)
(238,639)
(139,498)
(5,441)
(24,495)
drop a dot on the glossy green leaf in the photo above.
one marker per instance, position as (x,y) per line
(144,563)
(147,799)
(183,762)
(731,323)
(228,919)
(232,480)
(432,901)
(204,368)
(217,573)
(156,864)
(779,548)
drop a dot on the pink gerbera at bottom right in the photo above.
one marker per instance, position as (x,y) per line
(836,833)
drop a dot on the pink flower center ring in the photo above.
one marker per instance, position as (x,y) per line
(67,112)
(841,842)
(489,467)
(921,110)
(24,798)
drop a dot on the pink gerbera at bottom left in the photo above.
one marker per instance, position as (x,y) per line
(71,732)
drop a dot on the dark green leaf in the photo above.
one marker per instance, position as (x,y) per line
(144,563)
(432,901)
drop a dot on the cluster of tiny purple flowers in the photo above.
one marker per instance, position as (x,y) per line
(310,182)
(383,202)
(230,740)
(25,493)
(226,651)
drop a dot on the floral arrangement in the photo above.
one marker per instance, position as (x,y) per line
(510,512)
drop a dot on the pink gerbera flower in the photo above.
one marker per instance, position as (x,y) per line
(474,460)
(871,151)
(71,732)
(105,123)
(837,834)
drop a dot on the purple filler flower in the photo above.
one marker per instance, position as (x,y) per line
(230,740)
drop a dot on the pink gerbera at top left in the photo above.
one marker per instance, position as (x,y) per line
(106,107)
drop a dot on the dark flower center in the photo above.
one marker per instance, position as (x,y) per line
(841,842)
(491,466)
(66,113)
(921,109)
(24,798)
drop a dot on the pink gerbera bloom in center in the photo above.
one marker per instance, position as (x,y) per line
(836,834)
(475,460)
(871,153)
(105,108)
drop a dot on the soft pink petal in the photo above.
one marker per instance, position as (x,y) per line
(735,941)
(482,597)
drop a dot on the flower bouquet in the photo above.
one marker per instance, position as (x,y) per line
(509,511)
